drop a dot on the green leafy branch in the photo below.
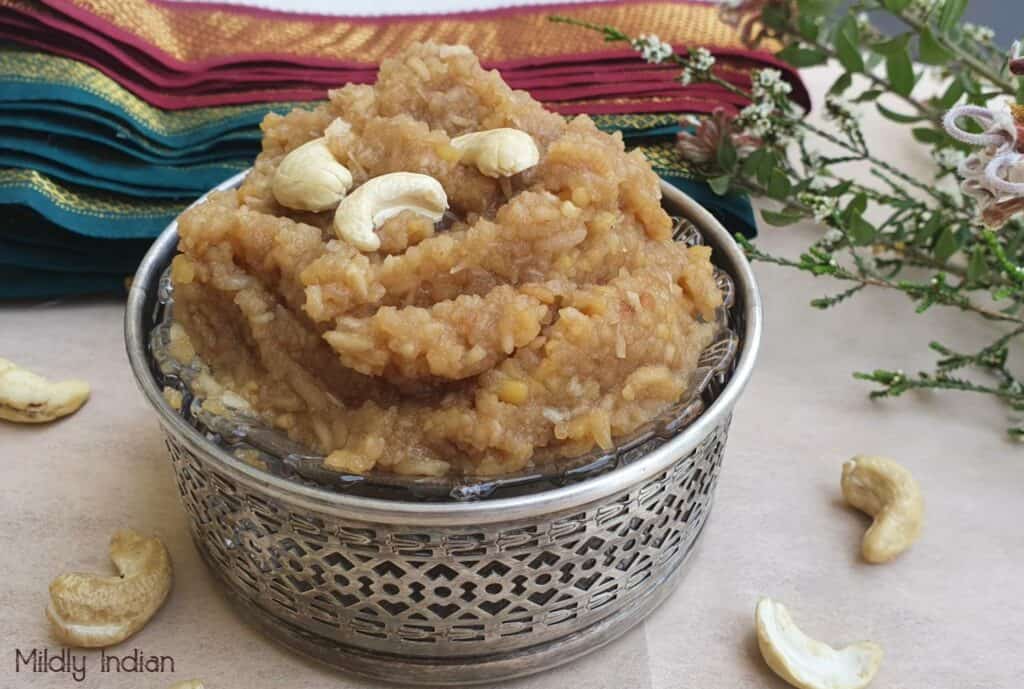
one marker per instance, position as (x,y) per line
(894,231)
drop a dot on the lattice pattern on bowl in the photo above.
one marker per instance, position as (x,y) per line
(251,439)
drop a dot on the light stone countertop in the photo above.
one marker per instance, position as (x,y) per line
(949,613)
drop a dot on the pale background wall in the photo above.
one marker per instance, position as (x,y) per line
(1005,16)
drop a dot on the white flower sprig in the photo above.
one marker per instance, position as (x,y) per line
(651,48)
(948,159)
(840,113)
(981,34)
(821,206)
(768,84)
(756,118)
(697,67)
(876,226)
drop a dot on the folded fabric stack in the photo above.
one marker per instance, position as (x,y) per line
(115,114)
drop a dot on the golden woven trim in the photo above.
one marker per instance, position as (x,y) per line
(638,101)
(197,33)
(96,204)
(637,120)
(663,154)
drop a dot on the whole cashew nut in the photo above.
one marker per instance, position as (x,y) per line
(28,398)
(452,50)
(310,178)
(886,491)
(381,198)
(809,664)
(92,611)
(498,152)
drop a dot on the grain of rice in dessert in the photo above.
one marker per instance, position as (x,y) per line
(554,314)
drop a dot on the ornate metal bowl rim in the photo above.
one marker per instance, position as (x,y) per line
(455,513)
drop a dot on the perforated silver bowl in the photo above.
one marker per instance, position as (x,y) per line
(447,593)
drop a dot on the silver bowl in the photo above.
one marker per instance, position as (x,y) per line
(452,593)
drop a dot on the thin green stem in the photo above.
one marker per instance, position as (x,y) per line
(840,273)
(828,136)
(971,61)
(922,109)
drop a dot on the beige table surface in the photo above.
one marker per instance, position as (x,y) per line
(950,613)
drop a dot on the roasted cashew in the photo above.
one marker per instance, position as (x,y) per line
(809,664)
(93,611)
(310,178)
(498,152)
(28,398)
(886,491)
(453,49)
(366,208)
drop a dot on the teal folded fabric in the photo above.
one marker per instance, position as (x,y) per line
(121,262)
(98,166)
(31,76)
(89,173)
(23,227)
(98,180)
(39,259)
(76,124)
(85,211)
(28,283)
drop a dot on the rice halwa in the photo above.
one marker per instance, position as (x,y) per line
(548,314)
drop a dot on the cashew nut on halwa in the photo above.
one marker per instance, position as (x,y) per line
(497,152)
(886,491)
(93,611)
(447,51)
(28,398)
(381,198)
(310,178)
(809,664)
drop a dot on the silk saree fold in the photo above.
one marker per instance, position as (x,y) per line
(116,114)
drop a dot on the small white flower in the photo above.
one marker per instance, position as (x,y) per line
(832,236)
(841,114)
(756,118)
(685,77)
(868,262)
(821,206)
(981,34)
(922,7)
(948,158)
(701,61)
(651,48)
(818,184)
(768,84)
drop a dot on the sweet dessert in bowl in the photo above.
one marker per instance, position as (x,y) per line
(434,282)
(434,276)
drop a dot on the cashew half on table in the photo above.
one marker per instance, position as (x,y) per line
(809,664)
(310,178)
(888,492)
(499,152)
(92,611)
(383,197)
(28,398)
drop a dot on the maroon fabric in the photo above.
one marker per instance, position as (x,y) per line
(612,81)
